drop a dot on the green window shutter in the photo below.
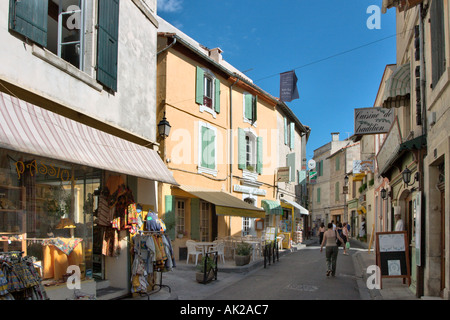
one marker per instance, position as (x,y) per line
(437,30)
(285,131)
(241,149)
(217,95)
(208,153)
(108,43)
(200,82)
(195,219)
(29,18)
(338,163)
(248,105)
(259,156)
(254,108)
(321,168)
(336,191)
(169,216)
(290,162)
(292,142)
(318,195)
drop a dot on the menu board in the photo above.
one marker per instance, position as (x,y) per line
(393,255)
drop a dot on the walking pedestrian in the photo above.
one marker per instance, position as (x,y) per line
(321,232)
(345,237)
(331,249)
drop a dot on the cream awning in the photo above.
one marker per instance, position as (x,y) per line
(226,204)
(296,206)
(30,129)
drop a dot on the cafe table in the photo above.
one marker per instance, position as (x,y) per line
(205,246)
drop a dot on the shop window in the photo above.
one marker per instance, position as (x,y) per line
(205,219)
(180,217)
(46,211)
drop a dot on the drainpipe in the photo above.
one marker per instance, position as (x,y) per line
(231,144)
(168,47)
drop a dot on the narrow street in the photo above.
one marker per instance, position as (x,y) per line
(297,276)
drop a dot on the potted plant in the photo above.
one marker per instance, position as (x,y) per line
(242,256)
(210,266)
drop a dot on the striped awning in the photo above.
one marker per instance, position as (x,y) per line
(272,207)
(30,129)
(399,83)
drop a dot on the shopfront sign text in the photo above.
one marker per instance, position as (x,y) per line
(35,168)
(373,120)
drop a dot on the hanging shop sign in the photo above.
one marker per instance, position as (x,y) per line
(390,147)
(373,120)
(363,166)
(249,190)
(312,177)
(283,174)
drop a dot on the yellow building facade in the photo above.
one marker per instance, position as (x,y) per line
(222,148)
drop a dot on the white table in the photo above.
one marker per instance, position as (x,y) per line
(205,246)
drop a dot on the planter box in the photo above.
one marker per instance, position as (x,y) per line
(241,260)
(199,276)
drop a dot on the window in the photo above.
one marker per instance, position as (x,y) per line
(250,156)
(60,27)
(318,195)
(207,93)
(205,213)
(245,226)
(437,40)
(180,216)
(250,108)
(207,157)
(45,202)
(320,168)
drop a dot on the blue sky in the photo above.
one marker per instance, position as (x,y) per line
(339,61)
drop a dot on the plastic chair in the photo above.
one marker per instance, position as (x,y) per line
(220,248)
(192,250)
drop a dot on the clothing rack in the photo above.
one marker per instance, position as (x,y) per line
(160,270)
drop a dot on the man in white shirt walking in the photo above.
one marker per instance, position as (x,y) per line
(399,222)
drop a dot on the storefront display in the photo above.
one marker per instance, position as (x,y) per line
(46,212)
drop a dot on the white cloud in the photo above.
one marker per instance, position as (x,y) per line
(170,5)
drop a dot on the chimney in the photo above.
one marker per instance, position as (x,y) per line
(335,136)
(216,55)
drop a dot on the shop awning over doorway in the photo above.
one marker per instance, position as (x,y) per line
(296,206)
(226,204)
(272,207)
(30,129)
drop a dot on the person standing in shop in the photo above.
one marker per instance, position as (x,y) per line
(398,223)
(331,249)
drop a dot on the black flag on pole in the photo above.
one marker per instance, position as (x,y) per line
(288,86)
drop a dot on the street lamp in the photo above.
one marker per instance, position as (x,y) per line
(383,194)
(164,127)
(406,175)
(346,180)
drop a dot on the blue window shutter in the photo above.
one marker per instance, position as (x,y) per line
(169,216)
(199,84)
(108,43)
(195,219)
(292,142)
(241,149)
(29,18)
(290,162)
(285,131)
(259,155)
(217,95)
(248,105)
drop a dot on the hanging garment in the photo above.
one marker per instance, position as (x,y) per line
(111,245)
(3,284)
(105,213)
(132,214)
(152,222)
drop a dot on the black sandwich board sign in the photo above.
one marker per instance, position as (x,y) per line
(392,255)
